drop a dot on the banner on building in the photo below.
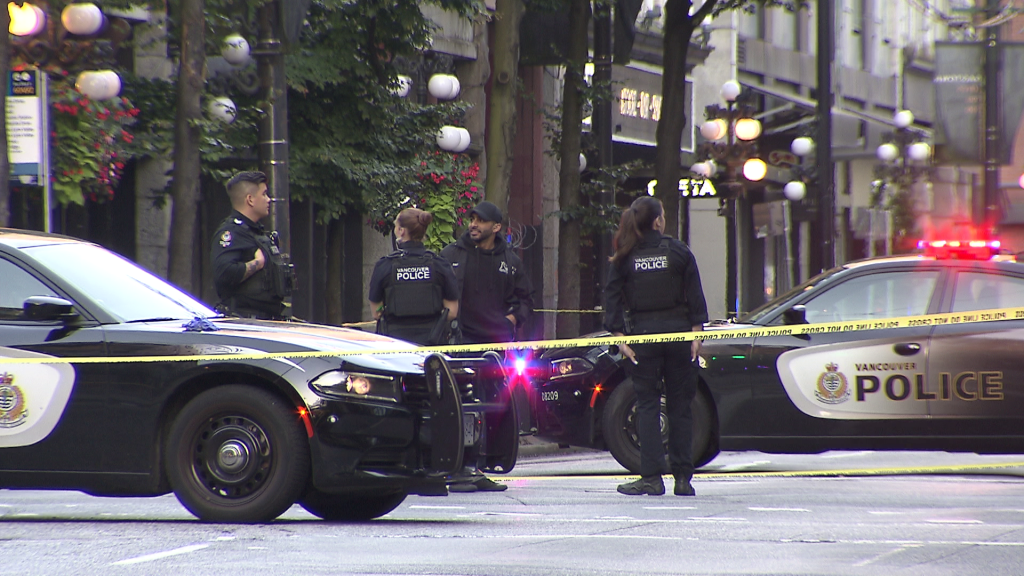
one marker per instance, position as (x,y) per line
(960,99)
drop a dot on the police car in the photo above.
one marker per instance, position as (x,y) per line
(929,386)
(114,382)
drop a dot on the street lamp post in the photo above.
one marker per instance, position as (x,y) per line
(731,150)
(904,160)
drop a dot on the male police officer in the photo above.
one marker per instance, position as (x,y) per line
(249,271)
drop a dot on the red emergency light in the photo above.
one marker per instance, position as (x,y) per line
(959,249)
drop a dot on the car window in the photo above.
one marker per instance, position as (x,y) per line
(125,290)
(979,291)
(874,296)
(16,286)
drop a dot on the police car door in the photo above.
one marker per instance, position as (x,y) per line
(853,384)
(35,398)
(976,371)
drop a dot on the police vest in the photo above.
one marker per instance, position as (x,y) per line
(272,283)
(413,289)
(652,284)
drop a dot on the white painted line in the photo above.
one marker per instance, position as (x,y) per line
(506,514)
(941,521)
(885,555)
(716,519)
(223,538)
(847,454)
(737,467)
(670,507)
(425,507)
(159,555)
(615,518)
(885,512)
(25,515)
(759,509)
(257,548)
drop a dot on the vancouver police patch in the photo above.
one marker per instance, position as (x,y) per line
(13,410)
(832,386)
(225,239)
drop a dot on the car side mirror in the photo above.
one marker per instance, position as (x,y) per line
(795,315)
(48,308)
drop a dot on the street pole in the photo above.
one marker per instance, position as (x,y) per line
(602,122)
(825,169)
(992,214)
(273,125)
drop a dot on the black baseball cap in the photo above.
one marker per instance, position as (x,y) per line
(487,211)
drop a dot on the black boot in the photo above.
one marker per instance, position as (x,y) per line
(653,486)
(683,487)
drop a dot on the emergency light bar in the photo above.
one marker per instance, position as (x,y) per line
(959,249)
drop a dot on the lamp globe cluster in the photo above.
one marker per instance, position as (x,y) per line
(453,139)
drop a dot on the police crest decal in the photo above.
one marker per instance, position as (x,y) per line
(832,386)
(225,239)
(13,411)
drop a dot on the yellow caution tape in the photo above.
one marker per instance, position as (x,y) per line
(979,316)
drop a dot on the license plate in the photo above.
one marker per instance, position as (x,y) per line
(469,429)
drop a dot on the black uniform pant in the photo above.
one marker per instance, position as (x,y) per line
(671,361)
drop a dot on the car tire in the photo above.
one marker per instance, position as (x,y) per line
(618,427)
(237,454)
(350,507)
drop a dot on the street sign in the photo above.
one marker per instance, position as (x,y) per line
(28,142)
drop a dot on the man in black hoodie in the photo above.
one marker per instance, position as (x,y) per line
(496,300)
(496,294)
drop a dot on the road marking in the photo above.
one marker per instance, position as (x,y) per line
(886,554)
(160,555)
(429,507)
(885,512)
(737,467)
(941,521)
(506,514)
(716,519)
(670,507)
(759,509)
(223,538)
(847,454)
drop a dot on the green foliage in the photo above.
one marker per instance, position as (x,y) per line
(355,145)
(90,143)
(443,184)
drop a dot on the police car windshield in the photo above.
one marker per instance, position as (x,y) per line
(122,288)
(767,309)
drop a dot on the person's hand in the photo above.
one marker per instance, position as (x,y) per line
(694,350)
(626,350)
(260,259)
(511,318)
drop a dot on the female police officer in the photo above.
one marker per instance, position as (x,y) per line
(413,291)
(654,287)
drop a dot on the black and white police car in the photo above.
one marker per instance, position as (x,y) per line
(953,387)
(114,382)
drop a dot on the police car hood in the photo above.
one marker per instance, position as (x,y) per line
(244,336)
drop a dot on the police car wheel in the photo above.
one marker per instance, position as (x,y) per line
(618,427)
(350,507)
(237,454)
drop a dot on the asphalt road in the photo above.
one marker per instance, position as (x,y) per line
(861,513)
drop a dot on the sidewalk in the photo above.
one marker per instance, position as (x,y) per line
(531,446)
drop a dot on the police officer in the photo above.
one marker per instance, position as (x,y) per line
(413,291)
(250,273)
(654,287)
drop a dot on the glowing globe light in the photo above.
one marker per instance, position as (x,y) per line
(403,86)
(795,190)
(443,86)
(223,109)
(714,129)
(98,84)
(755,169)
(919,151)
(235,50)
(802,146)
(26,20)
(747,129)
(903,118)
(731,90)
(887,152)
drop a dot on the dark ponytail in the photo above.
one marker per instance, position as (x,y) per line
(636,220)
(415,221)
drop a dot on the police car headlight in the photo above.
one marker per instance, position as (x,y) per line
(567,367)
(344,384)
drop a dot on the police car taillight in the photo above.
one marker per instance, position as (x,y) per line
(959,249)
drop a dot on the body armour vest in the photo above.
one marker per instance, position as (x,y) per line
(652,283)
(272,283)
(414,291)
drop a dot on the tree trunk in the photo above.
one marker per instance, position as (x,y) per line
(185,188)
(502,136)
(678,29)
(473,74)
(568,325)
(5,167)
(335,258)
